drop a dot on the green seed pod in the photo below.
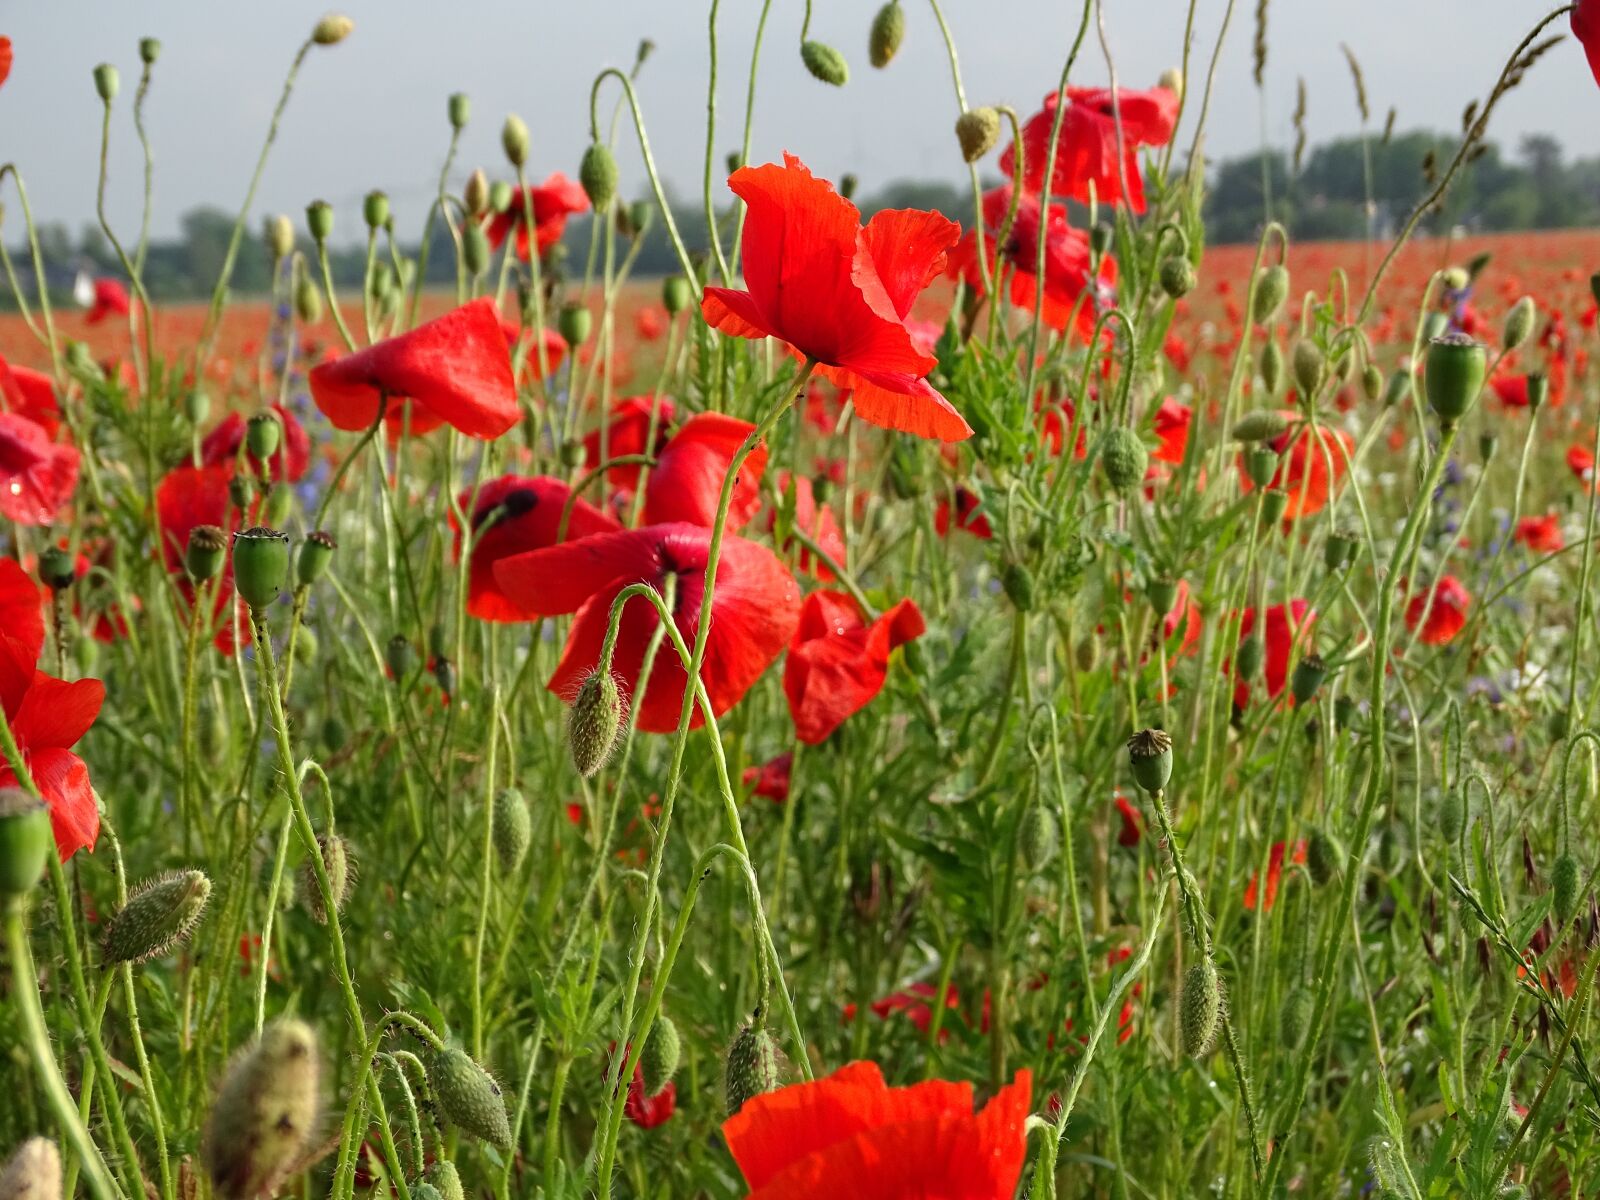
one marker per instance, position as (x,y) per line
(475,249)
(446,1179)
(1272,367)
(977,131)
(1261,464)
(197,406)
(1274,502)
(1150,756)
(264,1113)
(262,434)
(319,220)
(1519,325)
(1344,711)
(1339,551)
(25,841)
(1451,817)
(375,209)
(1200,1008)
(332,29)
(160,913)
(149,50)
(1310,368)
(1124,458)
(598,174)
(1019,587)
(1323,855)
(513,829)
(888,31)
(1456,365)
(57,571)
(754,1067)
(280,237)
(1371,381)
(1040,836)
(307,301)
(500,196)
(1162,594)
(400,656)
(675,294)
(595,722)
(1308,675)
(1538,390)
(1565,880)
(459,110)
(825,63)
(316,552)
(469,1097)
(336,862)
(1177,276)
(33,1172)
(514,140)
(106,82)
(203,557)
(1296,1017)
(1264,425)
(475,195)
(575,324)
(1272,289)
(1247,661)
(659,1059)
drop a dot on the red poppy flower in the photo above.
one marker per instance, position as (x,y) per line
(290,460)
(1274,874)
(1069,286)
(1542,535)
(1285,631)
(649,1111)
(191,496)
(771,779)
(917,1003)
(966,517)
(1087,150)
(36,475)
(47,716)
(110,300)
(838,662)
(650,322)
(515,514)
(1581,463)
(555,349)
(1511,389)
(627,434)
(1172,422)
(1441,620)
(815,520)
(852,1135)
(452,369)
(1309,469)
(1132,822)
(754,610)
(1585,27)
(5,59)
(554,201)
(31,394)
(840,293)
(686,482)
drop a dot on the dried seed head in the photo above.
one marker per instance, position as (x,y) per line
(264,1113)
(1150,755)
(160,913)
(469,1097)
(755,1066)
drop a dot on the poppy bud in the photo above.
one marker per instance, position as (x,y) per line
(197,406)
(262,434)
(1247,659)
(474,249)
(1323,853)
(469,1097)
(241,491)
(1039,837)
(500,196)
(1564,883)
(1177,276)
(149,51)
(423,1190)
(675,294)
(264,1113)
(598,174)
(1339,550)
(1389,1169)
(460,110)
(1487,445)
(754,1067)
(595,722)
(847,185)
(475,196)
(335,852)
(280,237)
(1017,581)
(332,29)
(1261,464)
(444,1177)
(307,301)
(1456,365)
(573,453)
(1162,594)
(977,130)
(825,63)
(106,82)
(575,323)
(1272,289)
(513,828)
(1296,1019)
(319,220)
(514,140)
(641,215)
(1150,756)
(204,553)
(56,569)
(25,841)
(1519,325)
(1200,1008)
(888,31)
(33,1172)
(1124,457)
(1344,711)
(1371,381)
(1274,503)
(1538,390)
(305,646)
(1172,80)
(260,565)
(399,656)
(160,913)
(1308,675)
(279,500)
(659,1058)
(1310,368)
(1272,366)
(375,209)
(1264,425)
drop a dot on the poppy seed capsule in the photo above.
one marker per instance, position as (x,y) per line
(1150,756)
(25,841)
(241,491)
(469,1097)
(1308,675)
(1200,1008)
(1272,366)
(659,1059)
(977,130)
(149,50)
(1339,550)
(459,109)
(399,656)
(514,140)
(1564,884)
(203,556)
(825,63)
(575,324)
(1274,503)
(335,852)
(1177,276)
(1454,373)
(1263,426)
(1125,458)
(33,1172)
(56,569)
(1040,836)
(754,1067)
(264,1112)
(1272,289)
(675,294)
(1162,594)
(332,29)
(888,31)
(280,236)
(1017,581)
(1519,325)
(1371,381)
(316,552)
(160,913)
(513,828)
(1538,390)
(307,301)
(598,174)
(1261,464)
(1247,661)
(1310,368)
(594,722)
(444,1177)
(375,209)
(1323,853)
(106,82)
(262,434)
(319,220)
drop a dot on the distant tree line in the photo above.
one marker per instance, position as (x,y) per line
(1344,189)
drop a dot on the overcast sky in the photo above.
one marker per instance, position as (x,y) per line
(371,112)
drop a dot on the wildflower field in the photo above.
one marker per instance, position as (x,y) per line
(941,706)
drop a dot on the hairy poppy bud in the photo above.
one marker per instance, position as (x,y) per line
(1261,464)
(264,1112)
(280,236)
(1456,365)
(1263,426)
(25,841)
(399,656)
(1310,368)
(307,301)
(375,209)
(847,185)
(1565,880)
(1150,756)
(33,1172)
(754,1067)
(262,434)
(1017,581)
(1274,503)
(332,29)
(1308,675)
(659,1058)
(575,323)
(460,110)
(1296,1019)
(160,913)
(1538,390)
(57,569)
(1039,837)
(260,565)
(1200,1008)
(675,294)
(469,1097)
(1371,381)
(316,552)
(1323,854)
(888,31)
(598,174)
(1177,276)
(595,722)
(446,1179)
(1124,457)
(1272,289)
(204,554)
(106,82)
(513,829)
(319,219)
(1162,594)
(1272,366)
(977,130)
(1519,325)
(514,140)
(335,853)
(824,62)
(423,1190)
(149,50)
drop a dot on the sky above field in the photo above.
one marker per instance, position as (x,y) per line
(371,112)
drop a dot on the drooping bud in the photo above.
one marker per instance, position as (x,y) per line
(675,294)
(1519,325)
(1310,368)
(1308,675)
(888,31)
(469,1097)
(332,29)
(575,323)
(1272,289)
(1040,836)
(307,300)
(57,569)
(335,852)
(460,110)
(1018,583)
(475,196)
(1200,1008)
(262,434)
(1177,276)
(264,1113)
(595,722)
(659,1058)
(825,63)
(1125,458)
(1264,425)
(1150,756)
(260,565)
(280,237)
(1371,381)
(375,209)
(977,130)
(1565,880)
(598,174)
(316,552)
(514,140)
(444,1177)
(1455,368)
(106,82)
(25,841)
(754,1067)
(319,220)
(400,656)
(33,1172)
(160,913)
(204,554)
(1272,366)
(513,829)
(500,196)
(149,50)
(1261,464)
